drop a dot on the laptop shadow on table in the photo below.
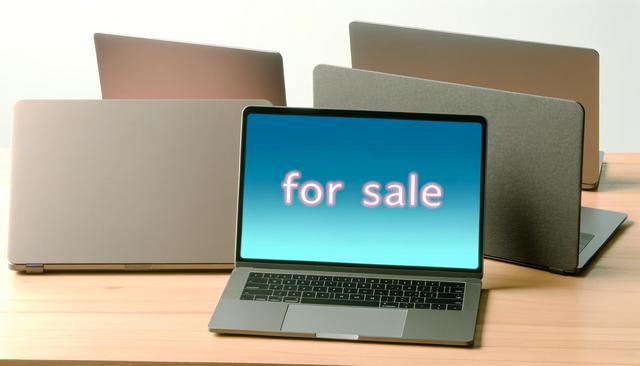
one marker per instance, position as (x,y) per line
(605,248)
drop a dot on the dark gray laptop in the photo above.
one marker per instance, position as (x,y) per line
(525,67)
(357,225)
(534,160)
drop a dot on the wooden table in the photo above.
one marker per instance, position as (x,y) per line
(527,316)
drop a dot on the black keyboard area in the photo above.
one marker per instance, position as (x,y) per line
(353,291)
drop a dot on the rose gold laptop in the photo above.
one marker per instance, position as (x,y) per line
(124,184)
(139,68)
(524,67)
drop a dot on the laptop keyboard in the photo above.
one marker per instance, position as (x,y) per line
(353,291)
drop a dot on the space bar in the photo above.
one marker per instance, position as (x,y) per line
(310,300)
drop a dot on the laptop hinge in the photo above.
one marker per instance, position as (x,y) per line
(34,268)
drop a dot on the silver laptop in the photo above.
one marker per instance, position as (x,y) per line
(124,185)
(534,159)
(357,226)
(139,68)
(525,67)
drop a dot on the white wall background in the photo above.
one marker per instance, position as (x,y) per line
(46,47)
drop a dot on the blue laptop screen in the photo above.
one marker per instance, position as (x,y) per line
(369,191)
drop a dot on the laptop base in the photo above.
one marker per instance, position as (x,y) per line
(33,268)
(594,186)
(602,224)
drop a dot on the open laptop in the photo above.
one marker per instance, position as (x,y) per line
(139,68)
(357,226)
(525,67)
(124,185)
(534,159)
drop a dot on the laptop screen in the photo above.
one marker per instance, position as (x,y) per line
(361,188)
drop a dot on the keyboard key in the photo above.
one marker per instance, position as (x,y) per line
(417,282)
(257,280)
(325,278)
(372,280)
(260,298)
(366,291)
(350,285)
(298,277)
(339,302)
(432,283)
(423,306)
(364,285)
(402,299)
(350,290)
(381,292)
(303,282)
(275,298)
(342,279)
(275,287)
(416,300)
(377,286)
(330,283)
(396,292)
(290,287)
(411,293)
(256,286)
(288,282)
(255,275)
(270,275)
(341,297)
(452,284)
(457,290)
(313,277)
(405,305)
(356,297)
(322,295)
(305,288)
(410,288)
(454,307)
(372,298)
(308,294)
(292,299)
(357,279)
(389,305)
(280,293)
(449,296)
(246,297)
(387,298)
(257,292)
(428,294)
(404,282)
(386,281)
(445,301)
(394,287)
(439,306)
(284,276)
(294,293)
(317,283)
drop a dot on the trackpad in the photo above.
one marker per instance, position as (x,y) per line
(344,322)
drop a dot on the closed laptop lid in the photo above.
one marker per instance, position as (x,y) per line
(534,155)
(115,181)
(526,67)
(362,190)
(139,68)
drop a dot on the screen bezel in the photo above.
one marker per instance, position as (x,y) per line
(333,266)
